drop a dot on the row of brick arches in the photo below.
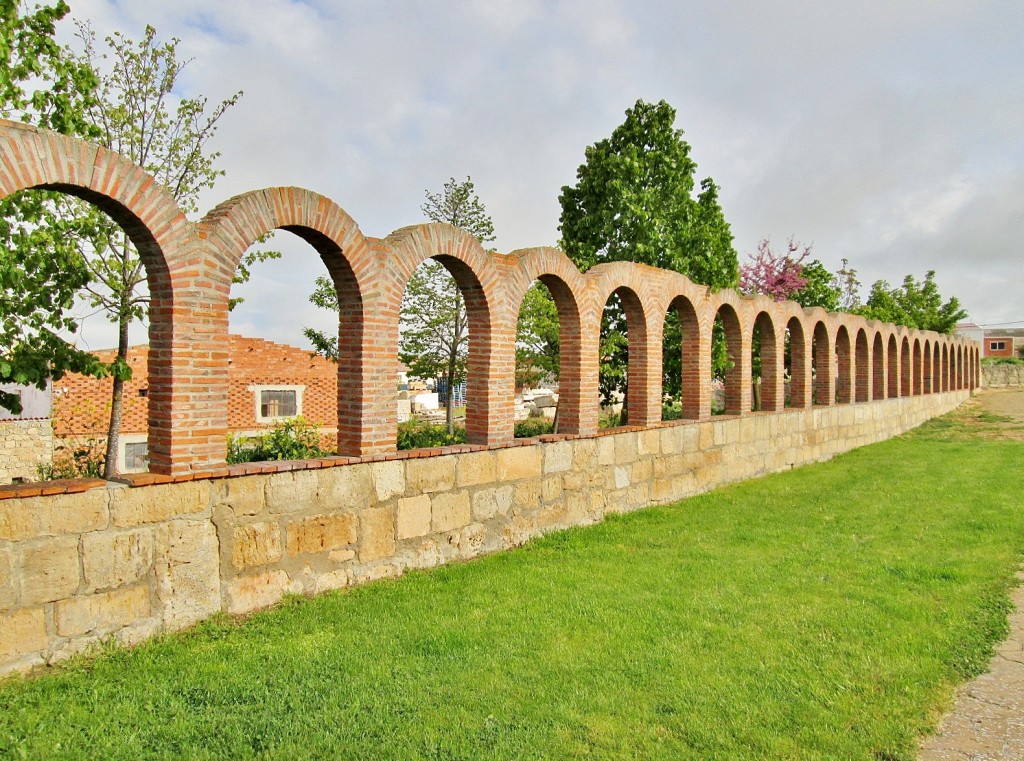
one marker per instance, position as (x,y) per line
(190,268)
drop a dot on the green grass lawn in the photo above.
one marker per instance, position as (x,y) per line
(826,613)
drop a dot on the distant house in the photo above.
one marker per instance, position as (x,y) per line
(997,342)
(268,383)
(26,438)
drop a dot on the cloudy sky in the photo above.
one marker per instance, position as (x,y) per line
(889,133)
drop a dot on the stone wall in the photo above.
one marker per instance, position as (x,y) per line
(1002,376)
(24,445)
(126,562)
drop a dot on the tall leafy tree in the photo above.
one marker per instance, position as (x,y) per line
(633,201)
(821,288)
(916,304)
(140,112)
(41,268)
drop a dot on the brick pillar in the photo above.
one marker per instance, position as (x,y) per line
(824,357)
(772,366)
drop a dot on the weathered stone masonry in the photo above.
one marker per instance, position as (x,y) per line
(85,560)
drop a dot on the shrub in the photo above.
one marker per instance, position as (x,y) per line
(295,439)
(83,461)
(417,434)
(534,426)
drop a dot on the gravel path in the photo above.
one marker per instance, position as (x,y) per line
(987,720)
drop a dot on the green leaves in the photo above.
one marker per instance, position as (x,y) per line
(917,304)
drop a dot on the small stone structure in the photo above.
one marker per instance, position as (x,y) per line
(1002,376)
(25,445)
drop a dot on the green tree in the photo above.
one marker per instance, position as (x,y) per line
(434,324)
(434,339)
(537,337)
(434,332)
(458,205)
(41,268)
(820,290)
(633,201)
(917,304)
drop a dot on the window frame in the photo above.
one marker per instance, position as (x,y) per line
(258,390)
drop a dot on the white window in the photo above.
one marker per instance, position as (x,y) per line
(275,403)
(134,454)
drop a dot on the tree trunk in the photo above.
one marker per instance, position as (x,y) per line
(116,404)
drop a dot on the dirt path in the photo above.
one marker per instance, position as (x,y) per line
(987,719)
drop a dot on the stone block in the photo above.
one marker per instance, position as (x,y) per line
(158,503)
(621,476)
(557,457)
(102,613)
(53,515)
(626,450)
(49,570)
(606,450)
(641,471)
(112,559)
(475,468)
(519,462)
(23,633)
(648,442)
(347,488)
(255,544)
(292,491)
(413,516)
(321,532)
(8,589)
(527,495)
(490,502)
(388,479)
(187,564)
(245,495)
(341,556)
(584,454)
(450,511)
(430,474)
(258,590)
(472,540)
(376,534)
(551,488)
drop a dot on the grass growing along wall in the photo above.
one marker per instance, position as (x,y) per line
(826,613)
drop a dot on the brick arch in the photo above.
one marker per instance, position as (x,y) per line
(772,392)
(491,332)
(639,291)
(800,384)
(927,374)
(844,365)
(892,360)
(862,372)
(959,367)
(878,366)
(695,397)
(937,367)
(944,371)
(565,284)
(824,379)
(165,240)
(916,386)
(737,374)
(905,367)
(230,228)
